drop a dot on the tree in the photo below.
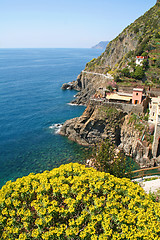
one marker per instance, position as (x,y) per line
(107,160)
(104,156)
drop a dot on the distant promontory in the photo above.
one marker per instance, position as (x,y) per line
(101,45)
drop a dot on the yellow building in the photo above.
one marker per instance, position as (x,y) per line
(119,97)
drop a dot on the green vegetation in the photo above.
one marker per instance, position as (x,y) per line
(107,112)
(106,160)
(74,202)
(90,64)
(139,73)
(144,36)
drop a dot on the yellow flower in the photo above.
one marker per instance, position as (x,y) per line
(5,211)
(35,233)
(22,236)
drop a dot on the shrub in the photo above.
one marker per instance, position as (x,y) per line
(125,72)
(145,64)
(139,73)
(74,202)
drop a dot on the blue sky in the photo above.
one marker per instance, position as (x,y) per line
(65,23)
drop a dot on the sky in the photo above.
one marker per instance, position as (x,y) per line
(65,23)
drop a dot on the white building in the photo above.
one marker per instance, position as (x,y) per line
(139,59)
(154,117)
(154,110)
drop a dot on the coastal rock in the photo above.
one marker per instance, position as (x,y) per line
(99,123)
(87,85)
(67,86)
(95,125)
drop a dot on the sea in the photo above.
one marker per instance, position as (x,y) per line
(33,106)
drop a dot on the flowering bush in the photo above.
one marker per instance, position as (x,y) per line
(74,202)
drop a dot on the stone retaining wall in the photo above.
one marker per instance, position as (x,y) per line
(127,108)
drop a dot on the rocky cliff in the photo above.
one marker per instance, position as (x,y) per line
(87,84)
(127,132)
(96,124)
(136,140)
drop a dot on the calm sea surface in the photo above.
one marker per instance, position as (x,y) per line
(32,103)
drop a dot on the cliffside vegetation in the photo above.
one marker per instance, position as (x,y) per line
(106,158)
(74,202)
(141,38)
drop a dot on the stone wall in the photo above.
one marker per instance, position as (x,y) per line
(126,108)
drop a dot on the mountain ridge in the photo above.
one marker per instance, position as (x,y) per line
(101,45)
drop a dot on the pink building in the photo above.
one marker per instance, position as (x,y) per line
(137,95)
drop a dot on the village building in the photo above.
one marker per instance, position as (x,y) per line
(139,59)
(119,97)
(154,110)
(131,98)
(137,95)
(154,118)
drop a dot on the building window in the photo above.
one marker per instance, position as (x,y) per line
(153,114)
(137,94)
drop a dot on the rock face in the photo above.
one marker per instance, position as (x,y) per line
(116,49)
(69,86)
(133,146)
(99,123)
(87,85)
(96,124)
(133,39)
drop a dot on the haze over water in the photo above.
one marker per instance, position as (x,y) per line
(32,103)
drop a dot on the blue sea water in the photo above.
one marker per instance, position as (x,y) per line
(31,103)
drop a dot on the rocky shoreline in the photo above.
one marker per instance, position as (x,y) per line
(99,123)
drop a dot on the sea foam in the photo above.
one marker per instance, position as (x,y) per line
(56,127)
